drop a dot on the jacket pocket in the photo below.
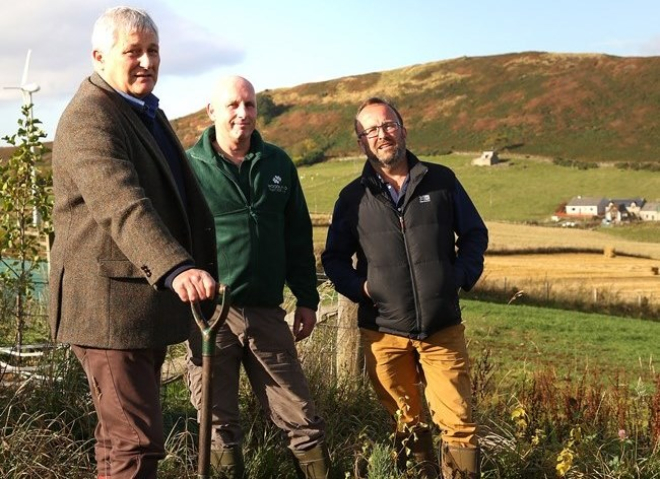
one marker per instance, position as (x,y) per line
(55,312)
(119,269)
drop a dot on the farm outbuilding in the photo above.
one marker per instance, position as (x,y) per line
(487,158)
(650,211)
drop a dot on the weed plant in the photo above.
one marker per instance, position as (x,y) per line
(47,421)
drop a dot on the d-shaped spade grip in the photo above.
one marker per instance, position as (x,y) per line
(209,329)
(211,326)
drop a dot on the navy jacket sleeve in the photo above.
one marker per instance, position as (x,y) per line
(472,240)
(341,244)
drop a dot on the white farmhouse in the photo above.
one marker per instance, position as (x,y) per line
(586,206)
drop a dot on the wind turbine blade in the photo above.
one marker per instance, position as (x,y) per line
(27,65)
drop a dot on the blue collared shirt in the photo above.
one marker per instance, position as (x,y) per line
(397,197)
(148,105)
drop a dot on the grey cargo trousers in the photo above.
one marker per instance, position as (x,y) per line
(262,341)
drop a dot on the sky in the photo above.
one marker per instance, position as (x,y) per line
(287,43)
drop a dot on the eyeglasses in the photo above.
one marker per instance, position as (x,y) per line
(388,127)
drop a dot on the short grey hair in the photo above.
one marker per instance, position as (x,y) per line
(113,20)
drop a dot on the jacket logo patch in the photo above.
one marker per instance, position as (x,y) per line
(275,185)
(425,199)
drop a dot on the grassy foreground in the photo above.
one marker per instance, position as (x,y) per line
(557,394)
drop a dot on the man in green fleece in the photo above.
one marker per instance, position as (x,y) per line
(264,241)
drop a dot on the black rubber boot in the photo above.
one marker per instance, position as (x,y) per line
(401,445)
(415,451)
(423,453)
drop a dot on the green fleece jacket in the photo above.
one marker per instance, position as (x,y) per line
(263,228)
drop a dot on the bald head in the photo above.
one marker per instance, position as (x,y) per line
(228,85)
(233,110)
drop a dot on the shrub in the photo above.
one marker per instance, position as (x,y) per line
(267,109)
(580,165)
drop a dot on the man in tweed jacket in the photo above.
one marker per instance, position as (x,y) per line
(134,241)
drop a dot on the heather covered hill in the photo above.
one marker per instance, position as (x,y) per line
(586,107)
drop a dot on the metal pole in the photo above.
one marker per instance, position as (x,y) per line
(205,422)
(36,217)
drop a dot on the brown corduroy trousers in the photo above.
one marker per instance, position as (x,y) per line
(125,387)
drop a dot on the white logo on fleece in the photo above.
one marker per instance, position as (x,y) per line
(275,185)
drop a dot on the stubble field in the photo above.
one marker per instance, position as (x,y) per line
(571,262)
(578,262)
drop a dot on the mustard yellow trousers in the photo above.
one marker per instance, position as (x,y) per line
(401,368)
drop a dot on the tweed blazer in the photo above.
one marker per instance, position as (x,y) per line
(120,227)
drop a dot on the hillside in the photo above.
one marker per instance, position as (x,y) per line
(586,107)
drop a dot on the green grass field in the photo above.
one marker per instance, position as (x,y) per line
(518,189)
(526,338)
(644,232)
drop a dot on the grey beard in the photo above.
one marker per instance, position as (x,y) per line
(394,160)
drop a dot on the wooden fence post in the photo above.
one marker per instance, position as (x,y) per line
(349,360)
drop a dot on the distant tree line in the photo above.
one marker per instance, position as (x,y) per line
(644,166)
